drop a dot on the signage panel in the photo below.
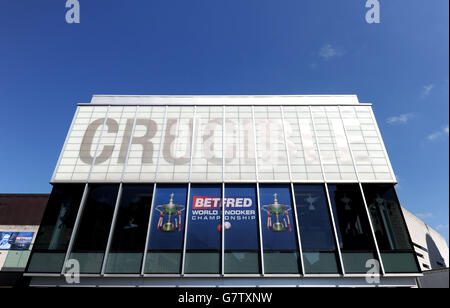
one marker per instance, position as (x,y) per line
(278,227)
(168,218)
(144,143)
(15,240)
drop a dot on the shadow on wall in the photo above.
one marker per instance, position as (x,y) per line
(436,259)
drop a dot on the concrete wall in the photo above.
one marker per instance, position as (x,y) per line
(434,279)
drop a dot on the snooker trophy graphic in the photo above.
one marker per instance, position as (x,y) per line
(168,210)
(280,213)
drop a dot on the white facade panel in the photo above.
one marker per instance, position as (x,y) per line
(186,142)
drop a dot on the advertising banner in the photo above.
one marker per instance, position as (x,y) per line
(241,220)
(168,218)
(277,221)
(205,218)
(15,240)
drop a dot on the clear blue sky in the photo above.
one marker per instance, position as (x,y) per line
(229,47)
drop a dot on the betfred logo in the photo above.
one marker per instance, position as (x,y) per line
(204,202)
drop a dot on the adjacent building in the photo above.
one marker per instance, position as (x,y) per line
(224,191)
(20,216)
(431,250)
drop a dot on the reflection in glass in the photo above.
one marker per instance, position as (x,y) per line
(241,230)
(352,224)
(314,220)
(390,228)
(56,228)
(130,230)
(278,231)
(95,224)
(204,232)
(165,243)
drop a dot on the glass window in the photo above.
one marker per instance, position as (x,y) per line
(165,243)
(130,230)
(390,229)
(278,230)
(203,245)
(352,224)
(316,230)
(56,228)
(95,224)
(241,230)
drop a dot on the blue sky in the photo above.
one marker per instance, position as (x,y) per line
(229,47)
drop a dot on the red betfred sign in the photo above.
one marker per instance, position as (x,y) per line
(207,202)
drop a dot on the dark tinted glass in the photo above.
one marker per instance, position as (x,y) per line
(351,217)
(165,244)
(130,230)
(387,218)
(205,228)
(316,230)
(281,254)
(92,235)
(241,230)
(314,218)
(352,224)
(59,217)
(56,228)
(390,229)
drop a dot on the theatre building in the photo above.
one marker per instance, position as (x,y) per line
(223,191)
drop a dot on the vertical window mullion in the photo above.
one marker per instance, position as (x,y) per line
(144,258)
(261,248)
(75,227)
(183,257)
(223,193)
(111,231)
(163,134)
(297,228)
(223,231)
(129,144)
(333,222)
(362,194)
(366,208)
(302,266)
(338,246)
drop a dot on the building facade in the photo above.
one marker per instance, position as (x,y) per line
(224,191)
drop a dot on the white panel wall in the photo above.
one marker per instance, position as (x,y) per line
(240,163)
(154,143)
